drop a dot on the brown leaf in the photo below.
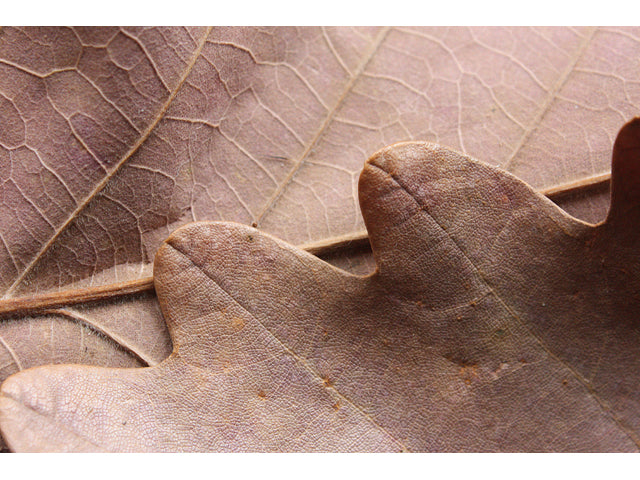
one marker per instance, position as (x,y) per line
(494,322)
(244,125)
(272,126)
(110,138)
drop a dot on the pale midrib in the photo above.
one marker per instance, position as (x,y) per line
(100,186)
(325,124)
(549,100)
(583,381)
(300,360)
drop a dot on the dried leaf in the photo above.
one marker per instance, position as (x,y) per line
(494,322)
(268,126)
(111,138)
(209,122)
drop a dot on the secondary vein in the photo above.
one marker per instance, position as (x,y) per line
(100,186)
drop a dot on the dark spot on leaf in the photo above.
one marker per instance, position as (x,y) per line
(327,382)
(262,394)
(458,360)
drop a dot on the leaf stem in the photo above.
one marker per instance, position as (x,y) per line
(577,186)
(45,301)
(39,303)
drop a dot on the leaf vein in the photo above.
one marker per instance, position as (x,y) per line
(549,100)
(293,354)
(601,403)
(107,178)
(325,124)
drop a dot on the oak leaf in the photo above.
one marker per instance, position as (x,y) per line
(110,138)
(493,322)
(259,125)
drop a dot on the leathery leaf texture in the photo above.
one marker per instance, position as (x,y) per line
(494,322)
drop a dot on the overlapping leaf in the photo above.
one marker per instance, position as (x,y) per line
(111,138)
(494,321)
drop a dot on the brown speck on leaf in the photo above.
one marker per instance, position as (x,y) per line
(469,373)
(237,324)
(262,394)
